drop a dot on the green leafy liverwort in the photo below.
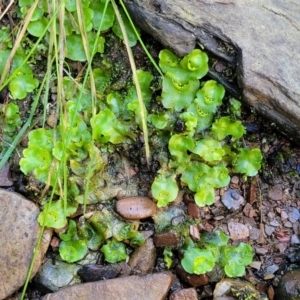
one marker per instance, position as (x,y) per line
(212,249)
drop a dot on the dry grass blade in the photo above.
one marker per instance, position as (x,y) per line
(136,82)
(18,41)
(7,9)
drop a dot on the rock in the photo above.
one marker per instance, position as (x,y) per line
(169,238)
(232,199)
(184,294)
(238,231)
(54,275)
(167,215)
(295,239)
(269,229)
(235,180)
(275,193)
(136,208)
(192,279)
(116,180)
(194,210)
(5,179)
(254,233)
(293,214)
(91,273)
(142,260)
(275,223)
(228,287)
(206,292)
(216,274)
(149,287)
(288,287)
(267,75)
(19,234)
(260,250)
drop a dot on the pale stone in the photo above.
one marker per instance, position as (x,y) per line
(19,234)
(149,287)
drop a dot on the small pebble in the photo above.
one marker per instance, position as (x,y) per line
(5,178)
(238,231)
(293,214)
(269,229)
(261,250)
(169,238)
(283,215)
(93,272)
(295,239)
(247,209)
(194,210)
(184,294)
(254,233)
(232,199)
(288,224)
(271,269)
(192,279)
(274,223)
(275,193)
(136,208)
(234,180)
(143,258)
(177,220)
(256,265)
(271,215)
(296,228)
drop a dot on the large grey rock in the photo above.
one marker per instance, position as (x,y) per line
(149,287)
(19,231)
(264,38)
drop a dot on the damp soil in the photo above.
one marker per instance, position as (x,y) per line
(272,198)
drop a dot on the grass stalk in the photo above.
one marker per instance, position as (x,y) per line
(140,40)
(143,110)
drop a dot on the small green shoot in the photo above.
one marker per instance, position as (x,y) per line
(234,259)
(214,250)
(54,216)
(168,257)
(209,149)
(224,127)
(248,162)
(179,145)
(164,189)
(72,251)
(114,251)
(198,261)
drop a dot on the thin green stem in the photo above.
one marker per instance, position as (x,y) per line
(140,40)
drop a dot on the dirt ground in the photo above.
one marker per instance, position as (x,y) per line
(272,199)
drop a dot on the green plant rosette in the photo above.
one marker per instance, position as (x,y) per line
(114,251)
(234,259)
(164,189)
(198,261)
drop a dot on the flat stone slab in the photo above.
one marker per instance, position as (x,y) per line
(262,37)
(19,231)
(149,287)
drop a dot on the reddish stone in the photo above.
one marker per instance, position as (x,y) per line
(276,193)
(169,238)
(136,208)
(194,210)
(191,279)
(184,294)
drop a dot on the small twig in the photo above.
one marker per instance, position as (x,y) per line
(6,9)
